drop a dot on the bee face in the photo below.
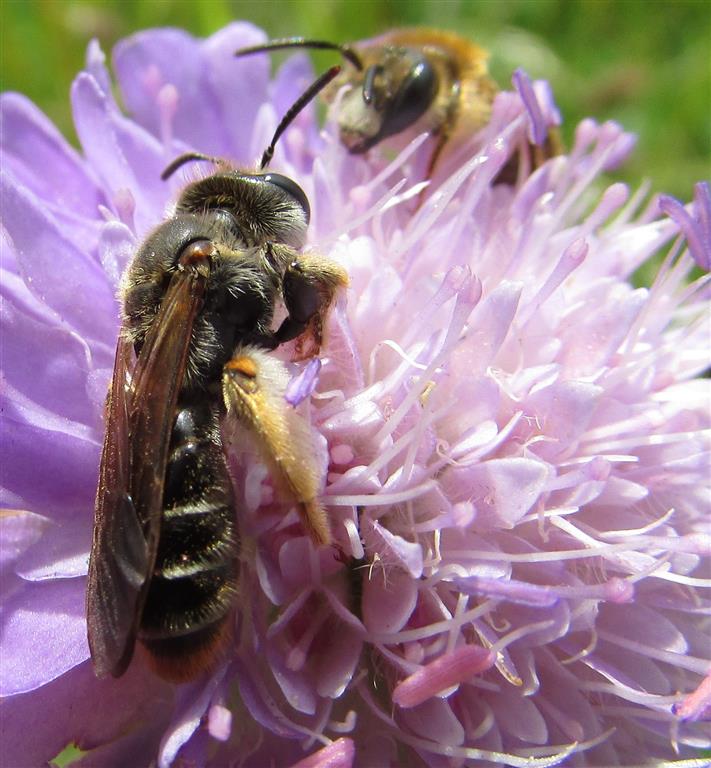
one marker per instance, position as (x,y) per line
(397,87)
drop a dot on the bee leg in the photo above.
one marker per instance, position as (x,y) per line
(442,138)
(254,385)
(309,286)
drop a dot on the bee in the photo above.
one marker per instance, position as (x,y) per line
(407,82)
(192,357)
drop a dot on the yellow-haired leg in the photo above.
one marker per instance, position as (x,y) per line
(254,384)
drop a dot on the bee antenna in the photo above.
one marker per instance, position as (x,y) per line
(294,110)
(300,42)
(187,157)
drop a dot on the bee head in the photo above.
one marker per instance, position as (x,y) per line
(388,96)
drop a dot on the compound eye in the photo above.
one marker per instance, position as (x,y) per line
(412,99)
(292,189)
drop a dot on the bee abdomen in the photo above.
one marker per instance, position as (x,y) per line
(185,620)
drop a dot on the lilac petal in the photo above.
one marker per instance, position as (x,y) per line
(42,160)
(146,62)
(59,274)
(129,749)
(473,565)
(292,79)
(336,662)
(96,66)
(546,102)
(407,554)
(125,156)
(52,614)
(13,288)
(544,625)
(518,716)
(591,339)
(62,553)
(87,712)
(211,115)
(638,621)
(117,246)
(262,706)
(697,230)
(565,408)
(702,204)
(489,325)
(434,720)
(19,530)
(69,464)
(537,125)
(193,754)
(388,599)
(53,383)
(564,703)
(628,670)
(338,754)
(503,490)
(193,700)
(240,85)
(293,555)
(303,384)
(298,691)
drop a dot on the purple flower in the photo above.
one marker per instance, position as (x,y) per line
(517,442)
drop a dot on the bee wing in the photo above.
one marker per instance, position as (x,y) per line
(117,564)
(253,386)
(127,515)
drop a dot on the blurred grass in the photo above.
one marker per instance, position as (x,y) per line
(643,63)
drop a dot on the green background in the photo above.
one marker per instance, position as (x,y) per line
(646,64)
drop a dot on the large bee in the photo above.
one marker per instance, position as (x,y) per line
(198,305)
(409,81)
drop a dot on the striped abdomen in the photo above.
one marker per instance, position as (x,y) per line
(186,620)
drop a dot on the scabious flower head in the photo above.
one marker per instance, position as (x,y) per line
(515,442)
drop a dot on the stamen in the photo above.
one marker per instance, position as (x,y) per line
(696,705)
(538,131)
(304,383)
(219,722)
(573,256)
(125,205)
(449,669)
(696,229)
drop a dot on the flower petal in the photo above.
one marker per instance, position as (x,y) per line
(58,274)
(67,482)
(125,157)
(19,530)
(389,598)
(41,160)
(52,614)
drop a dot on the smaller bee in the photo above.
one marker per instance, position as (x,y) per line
(406,82)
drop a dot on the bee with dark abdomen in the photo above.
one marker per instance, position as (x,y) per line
(198,305)
(406,82)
